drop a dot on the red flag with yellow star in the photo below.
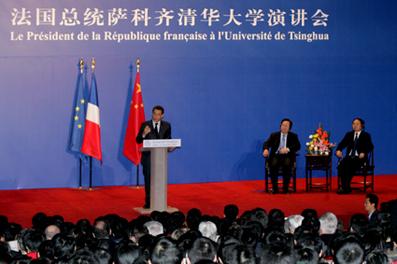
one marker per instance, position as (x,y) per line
(135,119)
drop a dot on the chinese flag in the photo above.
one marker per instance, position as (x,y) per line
(135,118)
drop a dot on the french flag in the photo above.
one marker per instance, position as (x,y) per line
(92,133)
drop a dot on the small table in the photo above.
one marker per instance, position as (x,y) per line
(317,162)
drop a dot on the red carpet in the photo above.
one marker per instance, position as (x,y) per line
(73,204)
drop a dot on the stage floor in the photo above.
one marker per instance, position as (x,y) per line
(74,204)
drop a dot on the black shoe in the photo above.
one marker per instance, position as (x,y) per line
(146,206)
(342,191)
(274,191)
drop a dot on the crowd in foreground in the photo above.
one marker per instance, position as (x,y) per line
(250,237)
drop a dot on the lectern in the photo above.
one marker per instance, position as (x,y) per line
(159,149)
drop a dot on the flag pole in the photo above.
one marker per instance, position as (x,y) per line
(81,172)
(93,64)
(81,63)
(90,187)
(138,66)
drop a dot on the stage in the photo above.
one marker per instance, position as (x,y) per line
(74,204)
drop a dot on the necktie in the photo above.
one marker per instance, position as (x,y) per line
(283,141)
(156,130)
(283,144)
(355,144)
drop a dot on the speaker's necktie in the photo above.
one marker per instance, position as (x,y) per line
(156,130)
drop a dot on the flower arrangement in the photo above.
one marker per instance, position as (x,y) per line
(319,142)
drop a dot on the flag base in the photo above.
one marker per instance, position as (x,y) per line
(142,210)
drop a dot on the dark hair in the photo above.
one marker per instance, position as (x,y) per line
(230,211)
(362,122)
(276,219)
(309,225)
(359,223)
(175,221)
(186,240)
(202,249)
(309,212)
(165,252)
(373,199)
(260,215)
(63,246)
(30,240)
(252,232)
(127,253)
(158,107)
(278,253)
(83,256)
(307,256)
(238,254)
(311,241)
(39,221)
(288,120)
(193,218)
(377,257)
(103,256)
(4,253)
(46,249)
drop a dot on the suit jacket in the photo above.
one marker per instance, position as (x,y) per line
(165,131)
(373,220)
(273,142)
(364,143)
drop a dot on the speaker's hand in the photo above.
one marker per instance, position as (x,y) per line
(146,131)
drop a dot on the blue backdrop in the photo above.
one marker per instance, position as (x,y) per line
(222,97)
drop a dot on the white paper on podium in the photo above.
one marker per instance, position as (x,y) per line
(162,143)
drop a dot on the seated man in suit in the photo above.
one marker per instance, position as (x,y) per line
(358,144)
(283,146)
(156,128)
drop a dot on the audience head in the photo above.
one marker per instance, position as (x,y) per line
(231,212)
(202,249)
(307,256)
(165,252)
(328,223)
(377,257)
(358,224)
(208,230)
(193,218)
(349,253)
(292,222)
(50,231)
(30,240)
(39,221)
(277,253)
(154,228)
(309,213)
(276,219)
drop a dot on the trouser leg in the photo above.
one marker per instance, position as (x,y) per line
(146,174)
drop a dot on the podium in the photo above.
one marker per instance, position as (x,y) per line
(159,149)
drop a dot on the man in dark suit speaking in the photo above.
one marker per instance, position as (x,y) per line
(283,146)
(156,128)
(357,143)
